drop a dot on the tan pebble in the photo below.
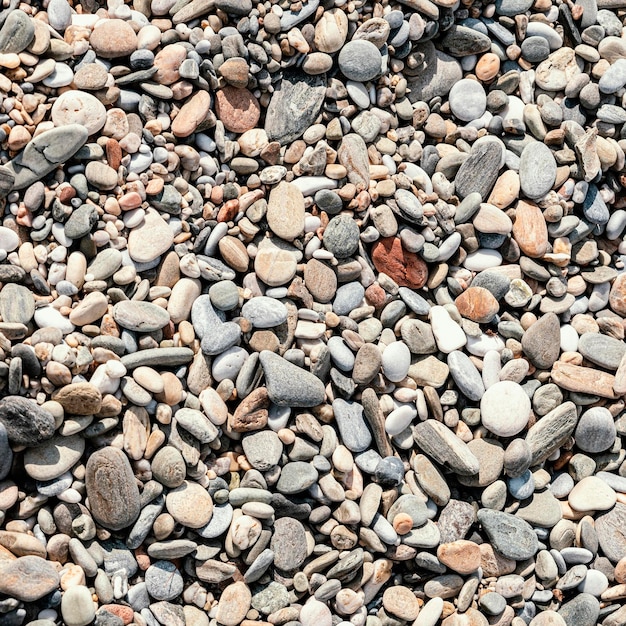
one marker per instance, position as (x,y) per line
(113,38)
(401,602)
(238,109)
(192,114)
(462,556)
(506,190)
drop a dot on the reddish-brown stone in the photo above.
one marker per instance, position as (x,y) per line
(405,268)
(477,304)
(237,109)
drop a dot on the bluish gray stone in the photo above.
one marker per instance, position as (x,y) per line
(348,297)
(594,207)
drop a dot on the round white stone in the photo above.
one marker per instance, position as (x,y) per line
(505,409)
(8,239)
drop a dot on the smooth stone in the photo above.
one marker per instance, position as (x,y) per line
(150,240)
(78,107)
(77,607)
(360,60)
(591,494)
(25,422)
(143,317)
(595,431)
(28,578)
(396,360)
(296,477)
(465,375)
(537,170)
(288,544)
(509,422)
(17,32)
(264,312)
(53,457)
(468,100)
(112,489)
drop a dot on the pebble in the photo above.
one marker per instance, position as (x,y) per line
(311,313)
(512,396)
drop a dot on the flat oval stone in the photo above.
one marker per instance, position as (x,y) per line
(54,457)
(468,99)
(537,170)
(296,477)
(28,578)
(396,360)
(360,60)
(591,494)
(264,312)
(16,304)
(466,376)
(79,107)
(112,489)
(143,317)
(190,505)
(288,544)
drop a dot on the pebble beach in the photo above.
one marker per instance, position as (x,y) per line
(312,313)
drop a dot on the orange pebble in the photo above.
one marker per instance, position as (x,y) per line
(402,523)
(487,67)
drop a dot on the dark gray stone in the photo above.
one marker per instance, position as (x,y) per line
(479,172)
(26,423)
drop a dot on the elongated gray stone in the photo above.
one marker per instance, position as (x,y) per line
(352,427)
(465,375)
(163,357)
(479,172)
(45,152)
(537,170)
(26,423)
(461,41)
(112,489)
(442,445)
(551,432)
